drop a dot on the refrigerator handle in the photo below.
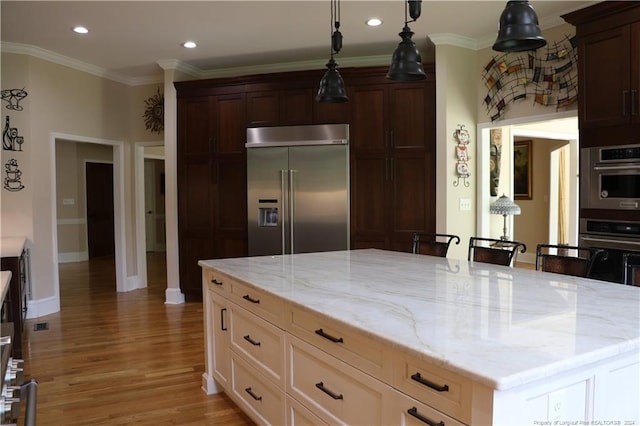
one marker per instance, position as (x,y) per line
(291,211)
(283,216)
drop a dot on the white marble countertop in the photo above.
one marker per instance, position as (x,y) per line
(5,278)
(499,326)
(12,246)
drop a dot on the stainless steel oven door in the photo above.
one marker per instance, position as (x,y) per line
(611,268)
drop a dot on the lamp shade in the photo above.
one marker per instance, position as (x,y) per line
(519,30)
(504,206)
(332,86)
(406,63)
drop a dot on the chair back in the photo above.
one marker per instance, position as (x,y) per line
(631,264)
(492,250)
(563,262)
(427,243)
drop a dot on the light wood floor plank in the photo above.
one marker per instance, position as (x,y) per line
(113,358)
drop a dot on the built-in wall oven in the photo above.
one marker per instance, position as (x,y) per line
(617,237)
(610,177)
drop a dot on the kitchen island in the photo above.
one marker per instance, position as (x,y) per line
(378,337)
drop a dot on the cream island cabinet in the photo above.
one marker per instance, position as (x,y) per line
(372,337)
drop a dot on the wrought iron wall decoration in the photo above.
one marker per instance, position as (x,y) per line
(12,180)
(461,135)
(154,113)
(11,141)
(546,76)
(13,97)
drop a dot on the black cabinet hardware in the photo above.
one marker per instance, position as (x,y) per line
(253,395)
(418,378)
(328,392)
(216,282)
(250,299)
(320,332)
(222,326)
(250,340)
(413,411)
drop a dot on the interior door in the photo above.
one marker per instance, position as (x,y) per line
(100,221)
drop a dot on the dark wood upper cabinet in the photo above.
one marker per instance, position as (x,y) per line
(262,109)
(608,37)
(296,107)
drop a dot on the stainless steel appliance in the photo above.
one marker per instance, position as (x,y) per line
(617,237)
(610,177)
(298,189)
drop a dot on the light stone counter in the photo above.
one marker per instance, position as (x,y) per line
(498,326)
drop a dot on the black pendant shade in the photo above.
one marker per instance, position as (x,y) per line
(332,86)
(519,30)
(406,63)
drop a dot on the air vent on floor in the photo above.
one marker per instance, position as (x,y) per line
(41,326)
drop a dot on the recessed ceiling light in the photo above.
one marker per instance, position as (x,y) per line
(80,29)
(374,22)
(189,44)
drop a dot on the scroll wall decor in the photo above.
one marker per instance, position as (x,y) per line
(12,140)
(461,135)
(154,113)
(13,98)
(547,77)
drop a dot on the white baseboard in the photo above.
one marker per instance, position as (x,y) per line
(173,296)
(74,256)
(42,307)
(133,283)
(209,386)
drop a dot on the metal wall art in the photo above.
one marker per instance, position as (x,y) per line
(13,97)
(12,180)
(10,139)
(154,113)
(547,78)
(461,135)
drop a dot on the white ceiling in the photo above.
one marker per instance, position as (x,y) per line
(128,38)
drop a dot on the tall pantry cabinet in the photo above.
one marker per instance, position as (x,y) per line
(392,157)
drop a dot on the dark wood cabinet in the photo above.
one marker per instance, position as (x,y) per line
(608,35)
(393,179)
(392,163)
(212,180)
(18,264)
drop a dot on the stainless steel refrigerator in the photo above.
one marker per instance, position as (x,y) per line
(298,189)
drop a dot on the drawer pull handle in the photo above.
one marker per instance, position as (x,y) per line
(222,326)
(418,378)
(328,392)
(250,299)
(250,340)
(216,282)
(253,395)
(320,332)
(413,411)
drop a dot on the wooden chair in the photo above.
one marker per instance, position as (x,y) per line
(492,250)
(427,243)
(631,271)
(561,261)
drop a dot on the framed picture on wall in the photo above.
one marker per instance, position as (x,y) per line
(522,168)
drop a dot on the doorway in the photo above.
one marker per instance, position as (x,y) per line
(100,217)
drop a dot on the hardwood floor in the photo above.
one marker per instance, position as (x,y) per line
(111,358)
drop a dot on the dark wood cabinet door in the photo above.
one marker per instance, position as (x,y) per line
(635,72)
(369,131)
(262,109)
(194,132)
(604,78)
(409,117)
(370,176)
(331,113)
(229,120)
(296,107)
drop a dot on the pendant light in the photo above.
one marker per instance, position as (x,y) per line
(332,86)
(519,30)
(406,63)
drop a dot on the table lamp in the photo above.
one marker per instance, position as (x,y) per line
(504,206)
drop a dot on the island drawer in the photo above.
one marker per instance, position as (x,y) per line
(217,281)
(407,411)
(298,415)
(441,389)
(333,390)
(259,397)
(259,341)
(339,340)
(261,303)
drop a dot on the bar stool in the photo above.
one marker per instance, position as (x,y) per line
(492,250)
(631,271)
(561,261)
(427,243)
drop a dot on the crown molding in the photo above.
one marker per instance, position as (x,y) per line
(454,40)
